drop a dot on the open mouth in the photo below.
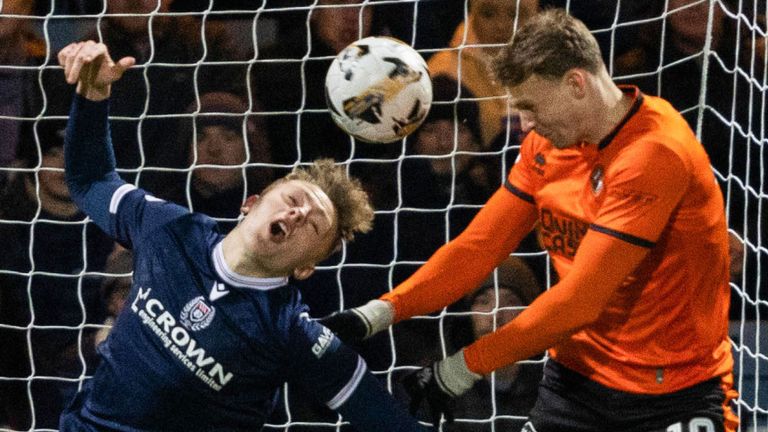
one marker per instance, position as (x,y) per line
(278,231)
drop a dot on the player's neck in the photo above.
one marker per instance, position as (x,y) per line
(613,106)
(238,257)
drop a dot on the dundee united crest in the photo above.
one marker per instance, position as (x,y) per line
(197,314)
(596,180)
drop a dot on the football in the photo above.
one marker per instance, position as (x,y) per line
(378,89)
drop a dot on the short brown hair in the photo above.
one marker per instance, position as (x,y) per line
(353,207)
(549,44)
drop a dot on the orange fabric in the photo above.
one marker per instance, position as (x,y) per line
(476,77)
(559,312)
(731,420)
(482,245)
(636,231)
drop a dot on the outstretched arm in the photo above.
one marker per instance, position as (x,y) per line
(89,159)
(453,271)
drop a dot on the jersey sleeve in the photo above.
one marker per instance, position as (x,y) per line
(120,209)
(563,309)
(459,266)
(643,187)
(340,379)
(520,179)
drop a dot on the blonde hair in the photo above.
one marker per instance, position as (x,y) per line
(549,44)
(353,207)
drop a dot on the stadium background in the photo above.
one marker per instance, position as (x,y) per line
(260,66)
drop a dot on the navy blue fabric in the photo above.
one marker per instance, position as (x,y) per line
(179,358)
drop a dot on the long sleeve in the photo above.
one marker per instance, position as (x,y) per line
(556,314)
(90,160)
(458,267)
(118,208)
(338,377)
(371,408)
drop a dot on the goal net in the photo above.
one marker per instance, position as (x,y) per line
(228,95)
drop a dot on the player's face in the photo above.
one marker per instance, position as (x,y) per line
(549,107)
(218,145)
(292,227)
(494,20)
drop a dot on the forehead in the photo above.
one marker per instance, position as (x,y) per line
(317,197)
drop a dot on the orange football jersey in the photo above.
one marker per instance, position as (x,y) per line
(647,188)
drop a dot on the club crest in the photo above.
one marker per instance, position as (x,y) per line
(596,180)
(196,314)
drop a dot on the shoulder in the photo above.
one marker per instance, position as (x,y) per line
(658,134)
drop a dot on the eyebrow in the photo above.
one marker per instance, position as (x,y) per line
(315,199)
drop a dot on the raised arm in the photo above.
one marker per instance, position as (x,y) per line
(89,159)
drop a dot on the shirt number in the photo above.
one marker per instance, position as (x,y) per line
(696,424)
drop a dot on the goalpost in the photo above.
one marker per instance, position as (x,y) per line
(710,56)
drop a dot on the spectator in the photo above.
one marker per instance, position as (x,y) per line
(511,392)
(444,172)
(172,55)
(19,47)
(490,22)
(217,140)
(44,236)
(680,81)
(115,288)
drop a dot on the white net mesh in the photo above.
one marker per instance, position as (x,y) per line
(260,67)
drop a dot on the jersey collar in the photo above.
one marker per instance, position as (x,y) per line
(638,96)
(237,280)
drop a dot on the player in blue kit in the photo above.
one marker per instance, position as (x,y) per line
(211,328)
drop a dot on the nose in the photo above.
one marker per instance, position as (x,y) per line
(526,121)
(297,214)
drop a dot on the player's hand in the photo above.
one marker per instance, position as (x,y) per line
(438,385)
(422,387)
(89,65)
(354,325)
(347,324)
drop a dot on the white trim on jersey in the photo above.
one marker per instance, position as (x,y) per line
(231,278)
(118,195)
(350,387)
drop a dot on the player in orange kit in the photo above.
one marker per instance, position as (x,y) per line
(628,208)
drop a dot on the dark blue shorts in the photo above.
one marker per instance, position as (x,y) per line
(569,401)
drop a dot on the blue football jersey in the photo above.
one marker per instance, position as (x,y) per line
(198,346)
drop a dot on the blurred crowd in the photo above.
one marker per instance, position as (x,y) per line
(221,103)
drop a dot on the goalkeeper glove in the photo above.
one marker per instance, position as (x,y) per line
(439,384)
(354,325)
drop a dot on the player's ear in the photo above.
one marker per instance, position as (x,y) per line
(576,80)
(302,273)
(248,204)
